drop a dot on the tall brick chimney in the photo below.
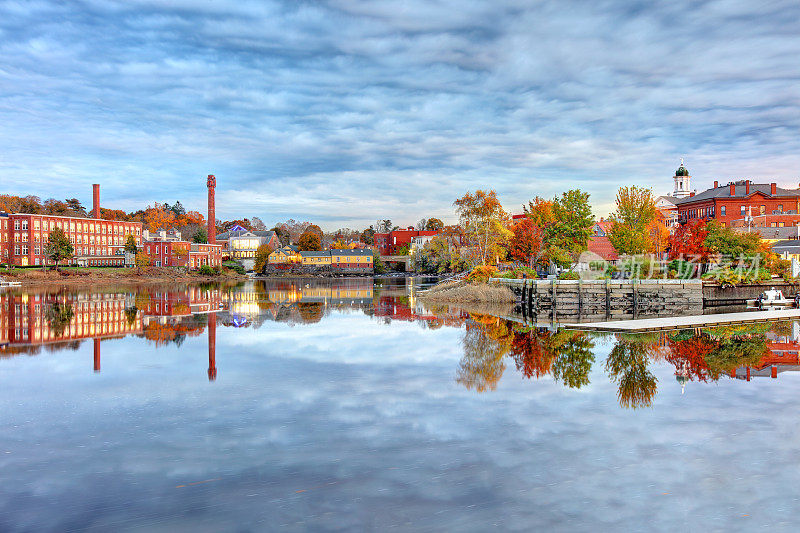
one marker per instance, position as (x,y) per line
(212,217)
(716,184)
(747,187)
(733,189)
(773,188)
(96,200)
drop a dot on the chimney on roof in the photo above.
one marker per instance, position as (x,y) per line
(773,188)
(747,187)
(96,200)
(691,194)
(716,184)
(733,189)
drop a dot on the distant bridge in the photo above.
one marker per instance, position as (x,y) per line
(405,259)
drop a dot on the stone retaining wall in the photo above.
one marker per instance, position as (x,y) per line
(609,298)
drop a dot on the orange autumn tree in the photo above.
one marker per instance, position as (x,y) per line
(484,225)
(157,217)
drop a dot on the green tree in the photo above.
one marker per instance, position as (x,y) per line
(725,241)
(262,257)
(200,236)
(368,236)
(309,241)
(58,246)
(130,244)
(434,224)
(630,223)
(378,266)
(567,236)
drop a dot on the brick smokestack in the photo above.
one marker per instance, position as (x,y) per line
(733,189)
(212,217)
(773,188)
(96,200)
(747,187)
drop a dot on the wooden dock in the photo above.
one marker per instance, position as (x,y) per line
(687,322)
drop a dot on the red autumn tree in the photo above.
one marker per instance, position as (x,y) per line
(526,243)
(689,240)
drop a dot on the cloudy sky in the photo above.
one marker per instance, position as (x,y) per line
(343,112)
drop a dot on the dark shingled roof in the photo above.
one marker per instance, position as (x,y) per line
(786,232)
(724,191)
(786,245)
(357,251)
(315,253)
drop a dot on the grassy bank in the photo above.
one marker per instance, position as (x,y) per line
(93,276)
(462,292)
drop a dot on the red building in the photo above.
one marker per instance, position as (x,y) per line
(740,199)
(167,249)
(391,243)
(599,242)
(96,242)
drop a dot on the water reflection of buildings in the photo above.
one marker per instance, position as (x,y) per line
(60,320)
(783,356)
(24,318)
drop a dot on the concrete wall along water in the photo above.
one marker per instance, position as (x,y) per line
(607,298)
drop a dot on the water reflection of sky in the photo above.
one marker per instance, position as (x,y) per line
(354,423)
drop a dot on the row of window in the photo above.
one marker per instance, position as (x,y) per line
(80,250)
(90,239)
(111,228)
(744,210)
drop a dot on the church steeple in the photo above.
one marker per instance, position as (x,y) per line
(682,181)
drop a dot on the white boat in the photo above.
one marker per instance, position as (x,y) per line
(5,283)
(771,299)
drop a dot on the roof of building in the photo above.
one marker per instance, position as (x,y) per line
(238,233)
(315,253)
(786,232)
(787,245)
(602,246)
(289,249)
(357,251)
(740,191)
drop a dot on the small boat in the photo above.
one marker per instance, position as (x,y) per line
(5,283)
(772,299)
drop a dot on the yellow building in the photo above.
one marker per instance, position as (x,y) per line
(285,256)
(358,259)
(315,258)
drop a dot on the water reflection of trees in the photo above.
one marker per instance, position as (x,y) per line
(698,355)
(58,316)
(566,355)
(627,366)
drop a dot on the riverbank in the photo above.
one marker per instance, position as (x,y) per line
(85,277)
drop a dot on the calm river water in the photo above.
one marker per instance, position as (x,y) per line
(348,405)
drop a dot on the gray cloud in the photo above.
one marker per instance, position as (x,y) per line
(344,111)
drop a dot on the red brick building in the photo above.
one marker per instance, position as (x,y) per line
(96,242)
(167,249)
(391,243)
(737,200)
